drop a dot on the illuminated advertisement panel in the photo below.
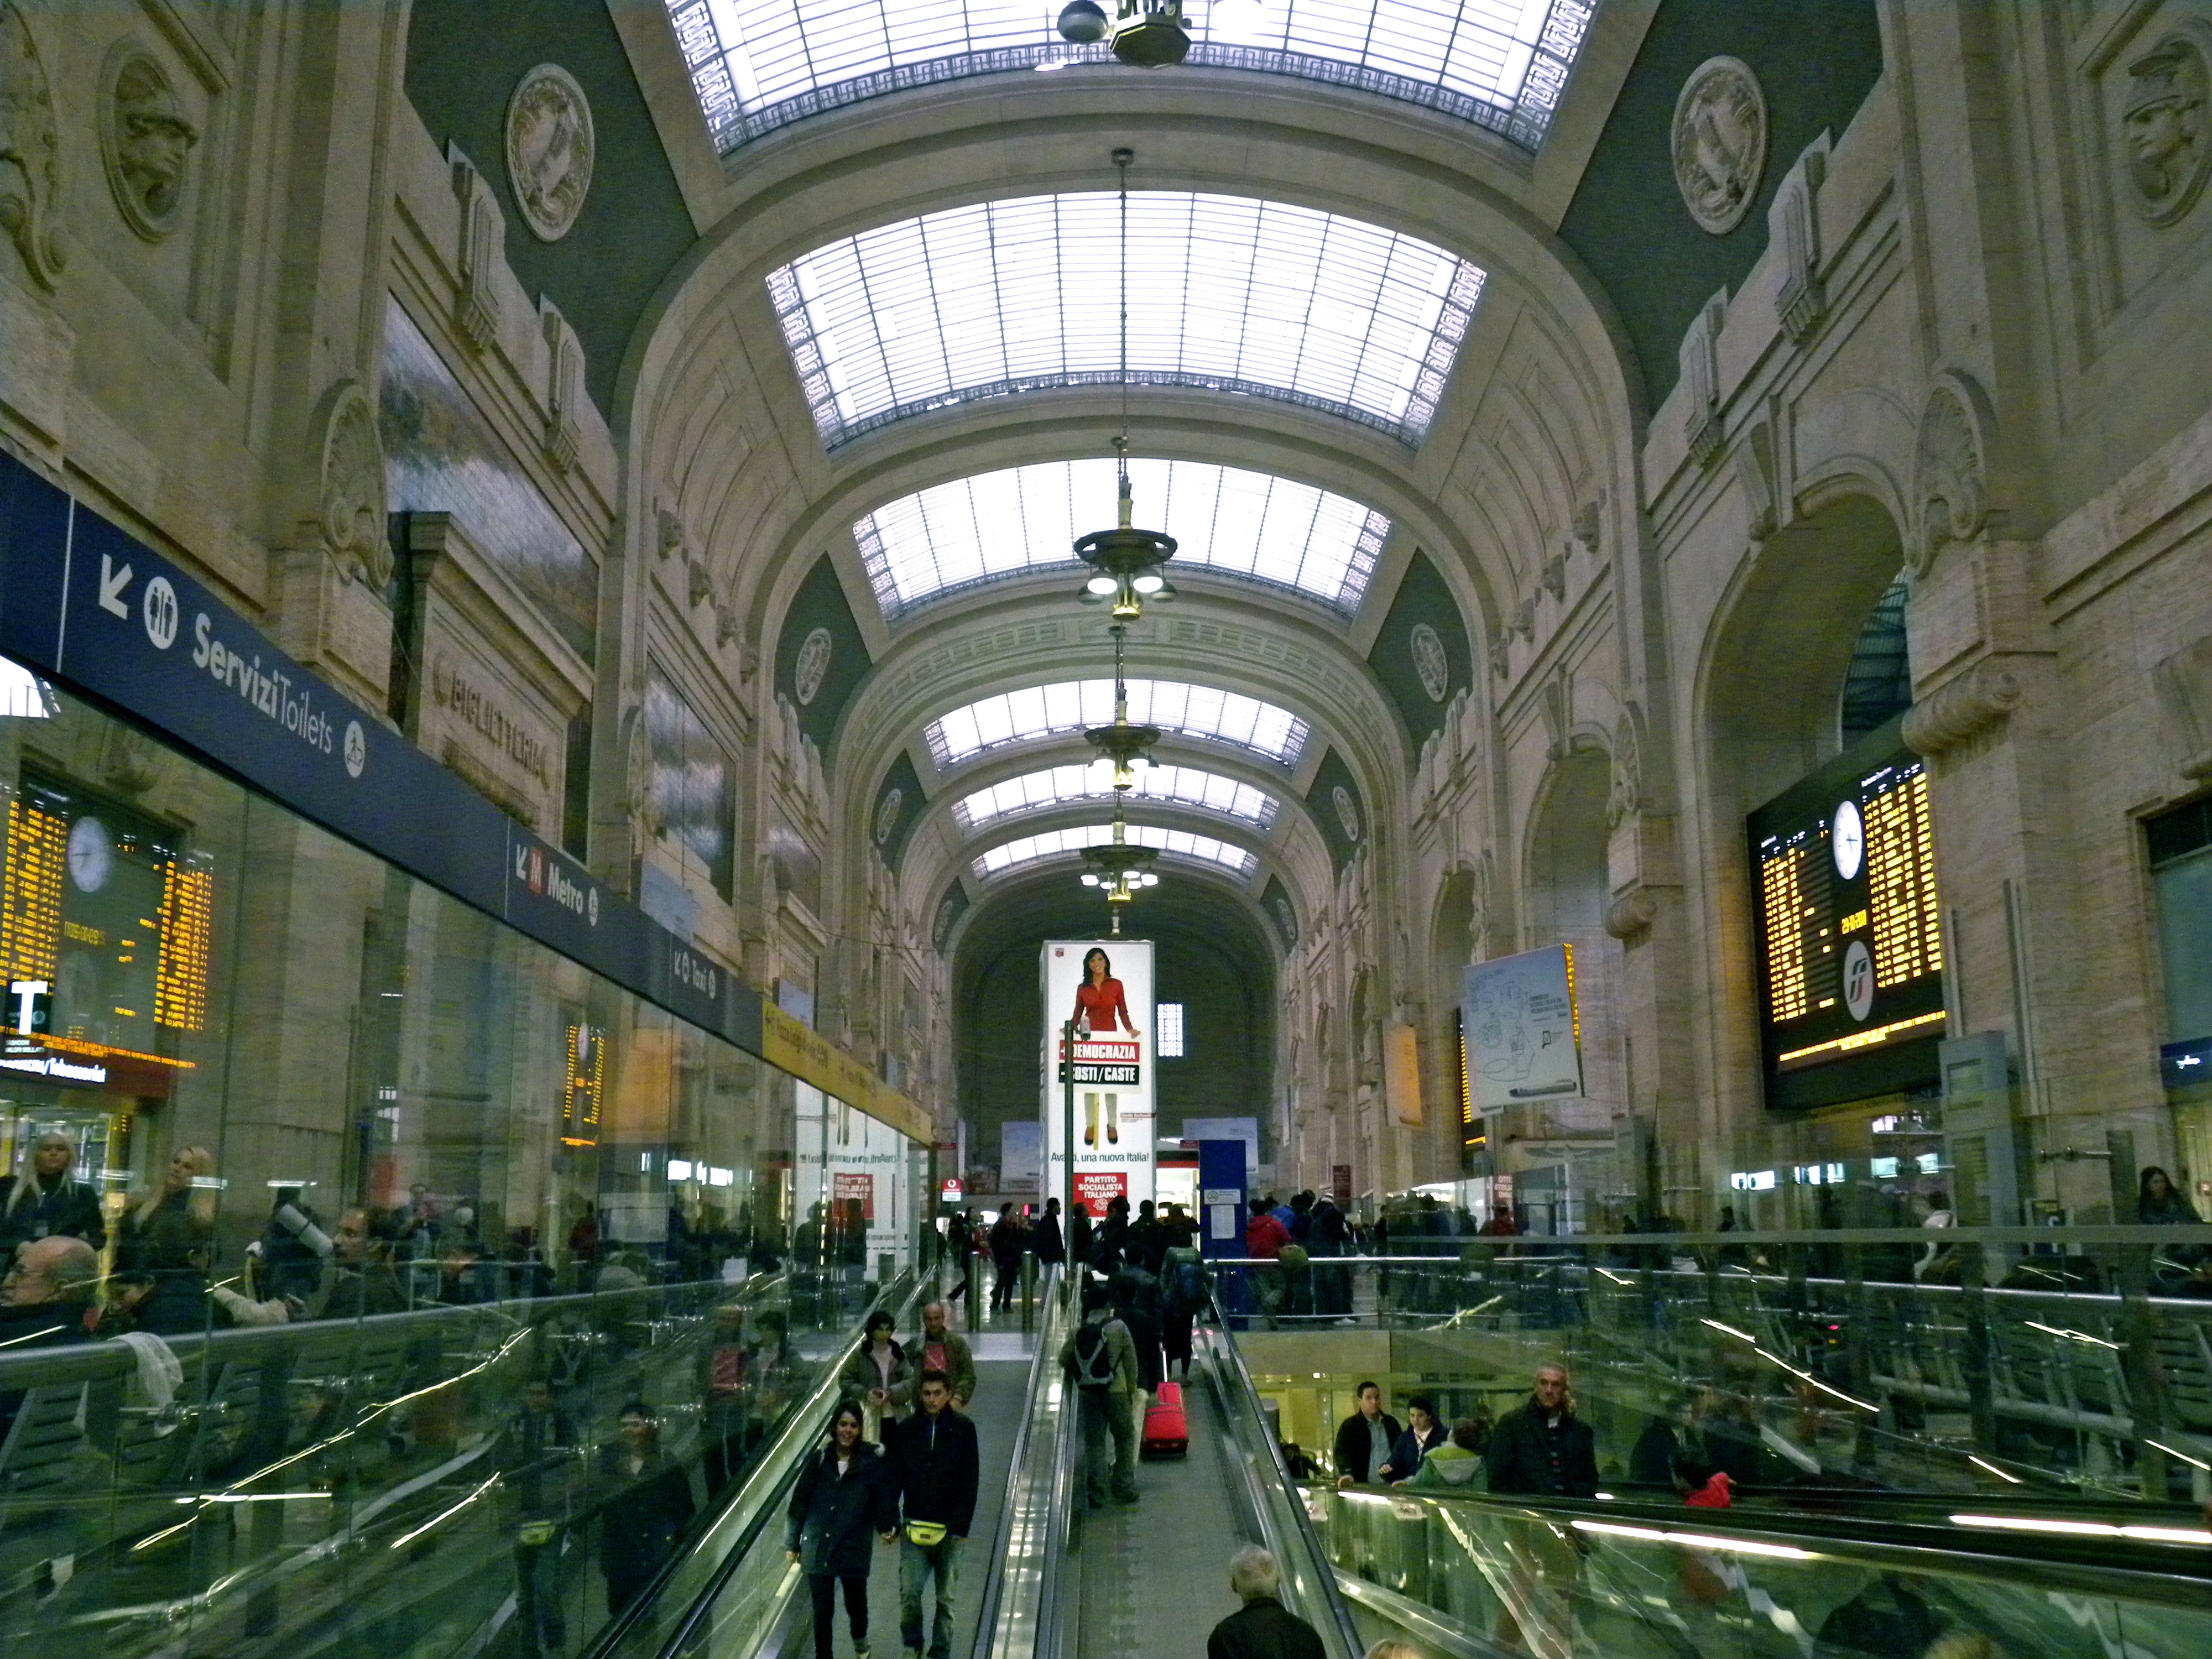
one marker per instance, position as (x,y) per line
(1104,987)
(1849,948)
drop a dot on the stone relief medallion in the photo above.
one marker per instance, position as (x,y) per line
(30,152)
(944,919)
(887,814)
(1289,920)
(1427,646)
(352,489)
(1719,140)
(549,149)
(145,140)
(812,664)
(1347,810)
(2164,146)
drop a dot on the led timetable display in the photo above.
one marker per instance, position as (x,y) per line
(1849,945)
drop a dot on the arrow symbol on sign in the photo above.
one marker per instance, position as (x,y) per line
(111,584)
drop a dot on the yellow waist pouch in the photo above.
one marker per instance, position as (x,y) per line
(925,1534)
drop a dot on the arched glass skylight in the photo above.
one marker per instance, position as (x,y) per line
(1000,524)
(1057,786)
(1041,711)
(1054,843)
(761,65)
(1261,299)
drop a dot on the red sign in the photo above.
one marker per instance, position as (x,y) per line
(1095,1188)
(1341,1182)
(950,1190)
(845,1187)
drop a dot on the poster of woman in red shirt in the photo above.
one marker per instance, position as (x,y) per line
(1100,1010)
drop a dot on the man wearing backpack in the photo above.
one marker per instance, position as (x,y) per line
(1100,1362)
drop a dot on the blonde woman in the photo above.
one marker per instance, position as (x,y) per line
(41,1200)
(168,1235)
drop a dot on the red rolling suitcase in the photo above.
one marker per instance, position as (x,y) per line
(1167,1431)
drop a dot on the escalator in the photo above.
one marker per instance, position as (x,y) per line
(1460,1576)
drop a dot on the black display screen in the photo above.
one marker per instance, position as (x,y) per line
(1850,944)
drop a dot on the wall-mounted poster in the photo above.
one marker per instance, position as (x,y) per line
(1523,1035)
(1104,987)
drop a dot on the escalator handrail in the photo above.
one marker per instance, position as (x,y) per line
(2174,1573)
(771,1479)
(987,1618)
(1308,1540)
(1062,1518)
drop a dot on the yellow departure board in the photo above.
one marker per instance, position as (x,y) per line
(1850,946)
(180,980)
(31,891)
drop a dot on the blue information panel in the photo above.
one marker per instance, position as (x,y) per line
(87,604)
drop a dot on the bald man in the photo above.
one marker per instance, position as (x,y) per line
(48,1289)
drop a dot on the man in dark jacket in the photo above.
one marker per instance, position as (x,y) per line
(934,1452)
(1263,1628)
(1542,1448)
(1364,1439)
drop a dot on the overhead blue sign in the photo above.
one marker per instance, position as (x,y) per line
(85,604)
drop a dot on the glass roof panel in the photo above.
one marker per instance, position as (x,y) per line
(761,65)
(1055,843)
(1056,786)
(1226,518)
(1040,711)
(1264,300)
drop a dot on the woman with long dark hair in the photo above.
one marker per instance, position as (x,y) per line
(1100,1010)
(844,1494)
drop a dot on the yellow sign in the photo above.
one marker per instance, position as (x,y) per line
(809,1054)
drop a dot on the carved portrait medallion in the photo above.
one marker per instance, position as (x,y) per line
(145,140)
(1347,810)
(812,663)
(1719,141)
(1427,646)
(30,152)
(2164,147)
(1287,919)
(550,150)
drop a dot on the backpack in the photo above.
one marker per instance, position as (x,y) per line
(1094,1360)
(1291,1257)
(1184,1289)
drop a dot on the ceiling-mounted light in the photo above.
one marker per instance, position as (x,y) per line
(1148,584)
(1149,34)
(1103,585)
(1081,22)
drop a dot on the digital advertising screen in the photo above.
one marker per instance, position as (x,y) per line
(1849,945)
(1104,987)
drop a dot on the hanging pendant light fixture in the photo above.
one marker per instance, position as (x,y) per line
(1125,562)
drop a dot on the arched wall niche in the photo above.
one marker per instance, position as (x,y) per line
(1563,895)
(1772,673)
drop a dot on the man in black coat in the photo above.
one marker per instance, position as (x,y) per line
(1542,1450)
(934,1453)
(1364,1439)
(1263,1628)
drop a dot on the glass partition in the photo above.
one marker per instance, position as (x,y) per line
(2072,1365)
(373,1269)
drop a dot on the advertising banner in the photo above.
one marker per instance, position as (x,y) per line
(1021,1158)
(1105,987)
(1523,1035)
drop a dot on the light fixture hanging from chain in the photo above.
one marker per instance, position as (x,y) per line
(1126,565)
(1144,34)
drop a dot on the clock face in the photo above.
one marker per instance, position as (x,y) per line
(91,854)
(1847,840)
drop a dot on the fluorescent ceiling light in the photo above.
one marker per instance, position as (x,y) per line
(760,64)
(1055,843)
(1070,706)
(1253,298)
(1025,517)
(1056,786)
